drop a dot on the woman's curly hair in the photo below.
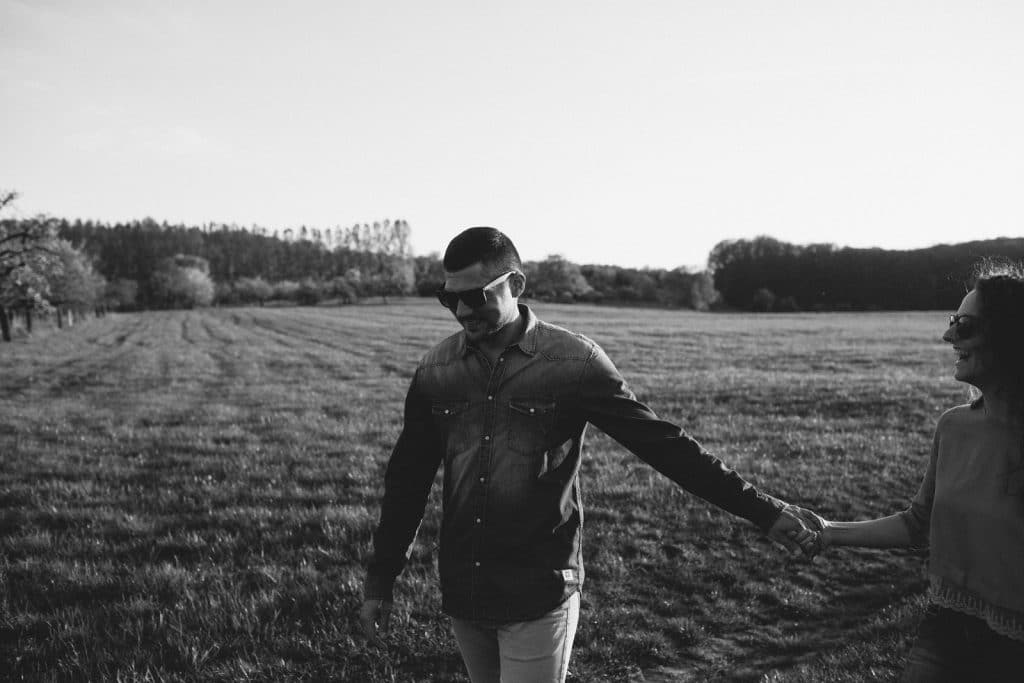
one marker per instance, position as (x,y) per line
(1000,287)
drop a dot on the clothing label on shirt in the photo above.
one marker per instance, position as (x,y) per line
(569,575)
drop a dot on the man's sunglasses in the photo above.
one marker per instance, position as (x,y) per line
(966,325)
(474,298)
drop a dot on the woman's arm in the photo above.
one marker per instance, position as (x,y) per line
(908,528)
(884,532)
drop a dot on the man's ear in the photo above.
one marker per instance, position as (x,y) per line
(517,284)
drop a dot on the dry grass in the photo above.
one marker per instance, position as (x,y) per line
(190,496)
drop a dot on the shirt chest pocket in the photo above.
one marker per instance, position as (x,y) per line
(531,423)
(450,419)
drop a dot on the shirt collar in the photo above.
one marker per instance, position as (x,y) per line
(527,341)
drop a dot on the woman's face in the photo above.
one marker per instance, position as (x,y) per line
(975,363)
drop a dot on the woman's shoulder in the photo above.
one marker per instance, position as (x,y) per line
(958,416)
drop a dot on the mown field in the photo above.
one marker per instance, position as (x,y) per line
(191,495)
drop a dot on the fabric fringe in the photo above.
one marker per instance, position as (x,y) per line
(1006,622)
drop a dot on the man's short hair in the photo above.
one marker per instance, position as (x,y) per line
(487,246)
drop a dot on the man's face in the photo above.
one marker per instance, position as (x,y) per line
(499,307)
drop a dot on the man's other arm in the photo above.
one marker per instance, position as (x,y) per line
(407,480)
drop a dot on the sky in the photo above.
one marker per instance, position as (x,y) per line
(628,133)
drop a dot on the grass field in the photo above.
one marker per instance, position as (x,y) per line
(191,495)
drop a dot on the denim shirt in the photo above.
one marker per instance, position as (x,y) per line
(510,436)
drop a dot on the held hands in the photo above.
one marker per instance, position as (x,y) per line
(375,617)
(799,529)
(820,525)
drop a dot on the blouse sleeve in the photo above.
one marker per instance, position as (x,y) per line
(918,516)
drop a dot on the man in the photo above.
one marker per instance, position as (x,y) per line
(504,404)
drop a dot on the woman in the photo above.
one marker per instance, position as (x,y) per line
(969,510)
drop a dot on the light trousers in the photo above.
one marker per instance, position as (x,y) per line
(534,651)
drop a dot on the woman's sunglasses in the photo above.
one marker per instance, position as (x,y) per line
(966,325)
(474,298)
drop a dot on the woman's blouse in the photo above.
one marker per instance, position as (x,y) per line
(969,511)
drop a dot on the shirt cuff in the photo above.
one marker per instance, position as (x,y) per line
(771,513)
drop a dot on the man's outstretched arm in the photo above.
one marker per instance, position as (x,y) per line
(611,406)
(407,480)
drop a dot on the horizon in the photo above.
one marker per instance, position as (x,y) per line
(277,233)
(635,136)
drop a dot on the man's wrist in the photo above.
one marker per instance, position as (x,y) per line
(772,514)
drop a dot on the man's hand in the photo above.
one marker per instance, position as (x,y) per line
(816,522)
(796,531)
(809,517)
(375,616)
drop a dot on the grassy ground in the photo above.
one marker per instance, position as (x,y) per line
(190,496)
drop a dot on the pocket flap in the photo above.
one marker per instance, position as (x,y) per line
(532,406)
(443,409)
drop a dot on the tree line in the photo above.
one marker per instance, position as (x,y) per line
(363,260)
(51,265)
(765,274)
(144,264)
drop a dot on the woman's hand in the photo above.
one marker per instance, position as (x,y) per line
(794,533)
(822,527)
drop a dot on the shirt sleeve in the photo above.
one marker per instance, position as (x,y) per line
(407,481)
(918,516)
(609,405)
